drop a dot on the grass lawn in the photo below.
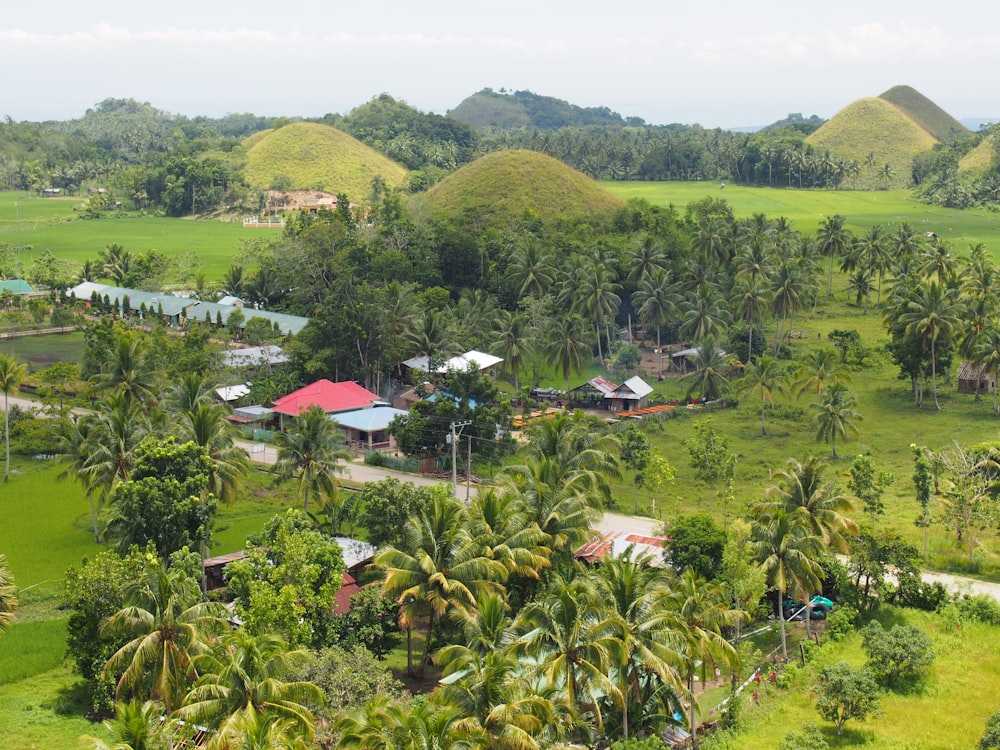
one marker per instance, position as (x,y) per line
(47,711)
(808,208)
(946,712)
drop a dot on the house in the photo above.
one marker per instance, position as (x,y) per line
(632,394)
(618,543)
(333,398)
(256,417)
(255,356)
(969,375)
(593,393)
(227,394)
(366,429)
(15,287)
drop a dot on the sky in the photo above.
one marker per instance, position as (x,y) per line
(719,64)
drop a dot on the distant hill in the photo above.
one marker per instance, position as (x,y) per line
(975,124)
(925,113)
(877,127)
(795,121)
(981,158)
(499,189)
(523,109)
(310,156)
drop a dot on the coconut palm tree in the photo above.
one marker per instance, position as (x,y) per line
(706,315)
(708,379)
(129,370)
(834,240)
(645,258)
(931,314)
(788,554)
(987,356)
(501,523)
(512,341)
(573,640)
(531,270)
(12,374)
(766,376)
(835,415)
(567,345)
(656,300)
(440,568)
(246,675)
(596,297)
(168,626)
(206,425)
(8,595)
(136,726)
(819,369)
(310,449)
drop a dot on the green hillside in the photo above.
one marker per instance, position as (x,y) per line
(312,156)
(981,158)
(500,188)
(925,113)
(874,126)
(516,109)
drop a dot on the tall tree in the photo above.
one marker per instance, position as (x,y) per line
(12,375)
(835,415)
(567,345)
(834,239)
(169,626)
(766,376)
(8,595)
(311,450)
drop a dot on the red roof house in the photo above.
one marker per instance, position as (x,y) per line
(331,397)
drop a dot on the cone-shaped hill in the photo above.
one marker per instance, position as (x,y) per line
(501,187)
(874,126)
(306,155)
(981,158)
(925,113)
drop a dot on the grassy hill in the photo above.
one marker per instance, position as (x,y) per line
(500,188)
(874,126)
(925,113)
(313,156)
(981,158)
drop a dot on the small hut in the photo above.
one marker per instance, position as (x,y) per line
(969,376)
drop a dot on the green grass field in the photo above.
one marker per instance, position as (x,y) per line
(945,712)
(807,208)
(41,351)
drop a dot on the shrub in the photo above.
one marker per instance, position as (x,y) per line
(898,655)
(845,693)
(841,623)
(979,608)
(807,738)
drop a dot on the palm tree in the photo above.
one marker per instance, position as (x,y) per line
(206,425)
(130,370)
(656,301)
(787,552)
(835,415)
(512,341)
(567,345)
(791,288)
(752,300)
(712,240)
(102,447)
(502,525)
(191,390)
(706,315)
(573,640)
(8,595)
(709,364)
(834,239)
(136,726)
(168,626)
(310,450)
(243,676)
(596,297)
(12,374)
(702,611)
(767,376)
(803,489)
(645,258)
(820,368)
(441,568)
(531,269)
(634,590)
(931,315)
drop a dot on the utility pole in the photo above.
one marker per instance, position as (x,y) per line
(468,468)
(453,438)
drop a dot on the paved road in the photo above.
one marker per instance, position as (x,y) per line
(356,472)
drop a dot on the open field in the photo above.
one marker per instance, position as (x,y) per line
(41,351)
(53,224)
(807,208)
(942,713)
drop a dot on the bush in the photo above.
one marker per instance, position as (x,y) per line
(841,623)
(807,738)
(899,655)
(979,608)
